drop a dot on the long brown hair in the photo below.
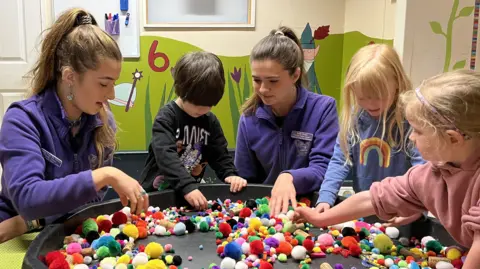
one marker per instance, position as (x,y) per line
(76,41)
(283,46)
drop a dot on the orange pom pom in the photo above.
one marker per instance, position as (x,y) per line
(77,258)
(142,232)
(348,241)
(284,248)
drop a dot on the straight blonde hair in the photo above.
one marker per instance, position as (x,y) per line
(76,41)
(371,72)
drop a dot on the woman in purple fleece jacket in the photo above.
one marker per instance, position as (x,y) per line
(56,147)
(286,133)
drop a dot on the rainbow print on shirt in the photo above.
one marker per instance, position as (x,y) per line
(381,147)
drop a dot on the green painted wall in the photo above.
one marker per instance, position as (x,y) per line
(154,88)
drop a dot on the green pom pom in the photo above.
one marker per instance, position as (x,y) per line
(435,246)
(282,257)
(88,226)
(289,227)
(305,266)
(218,235)
(338,242)
(365,231)
(258,214)
(204,227)
(211,265)
(130,266)
(272,230)
(365,247)
(300,239)
(253,238)
(114,248)
(263,209)
(103,252)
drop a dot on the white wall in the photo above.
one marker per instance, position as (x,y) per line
(374,18)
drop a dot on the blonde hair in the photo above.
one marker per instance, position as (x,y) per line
(371,71)
(451,101)
(283,46)
(76,41)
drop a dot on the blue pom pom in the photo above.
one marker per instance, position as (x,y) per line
(233,250)
(376,251)
(394,267)
(265,216)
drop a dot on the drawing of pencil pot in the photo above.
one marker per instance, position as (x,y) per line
(112,27)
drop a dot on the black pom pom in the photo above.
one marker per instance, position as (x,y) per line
(348,231)
(241,220)
(121,236)
(250,203)
(91,236)
(177,260)
(232,222)
(362,235)
(216,206)
(189,225)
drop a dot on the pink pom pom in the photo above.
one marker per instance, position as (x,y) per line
(74,248)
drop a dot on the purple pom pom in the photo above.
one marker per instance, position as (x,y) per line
(272,242)
(338,266)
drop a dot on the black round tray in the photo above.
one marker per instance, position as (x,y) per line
(51,237)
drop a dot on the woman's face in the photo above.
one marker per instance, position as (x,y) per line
(95,87)
(272,82)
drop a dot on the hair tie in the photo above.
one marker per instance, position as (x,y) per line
(84,19)
(279,33)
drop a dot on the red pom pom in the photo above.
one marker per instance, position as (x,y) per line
(245,212)
(218,241)
(265,265)
(141,248)
(457,263)
(220,249)
(59,264)
(119,218)
(225,229)
(256,247)
(52,256)
(105,226)
(345,253)
(308,244)
(158,215)
(355,250)
(79,229)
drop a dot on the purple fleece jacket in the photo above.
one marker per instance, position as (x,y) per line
(43,177)
(302,147)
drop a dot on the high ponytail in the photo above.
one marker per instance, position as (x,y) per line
(62,48)
(283,46)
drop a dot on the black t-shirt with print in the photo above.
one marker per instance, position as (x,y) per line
(180,149)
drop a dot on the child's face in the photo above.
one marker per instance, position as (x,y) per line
(272,82)
(374,105)
(194,110)
(427,142)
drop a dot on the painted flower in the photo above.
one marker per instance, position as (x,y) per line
(371,42)
(237,74)
(321,32)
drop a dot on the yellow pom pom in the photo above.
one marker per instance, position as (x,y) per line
(156,264)
(335,233)
(124,259)
(255,223)
(424,264)
(100,218)
(316,249)
(131,230)
(154,250)
(330,250)
(169,259)
(121,266)
(453,253)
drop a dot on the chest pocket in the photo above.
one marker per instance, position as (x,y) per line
(302,142)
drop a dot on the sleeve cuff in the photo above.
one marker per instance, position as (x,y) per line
(189,188)
(327,197)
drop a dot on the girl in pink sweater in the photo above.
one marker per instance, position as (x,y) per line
(444,116)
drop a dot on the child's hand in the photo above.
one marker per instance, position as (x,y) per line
(196,199)
(307,214)
(236,183)
(12,228)
(400,221)
(322,207)
(283,192)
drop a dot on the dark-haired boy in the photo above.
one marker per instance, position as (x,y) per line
(186,135)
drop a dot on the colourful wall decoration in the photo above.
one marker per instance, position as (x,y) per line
(437,29)
(146,84)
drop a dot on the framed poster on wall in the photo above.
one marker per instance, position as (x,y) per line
(199,13)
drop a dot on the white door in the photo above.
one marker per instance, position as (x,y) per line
(19,45)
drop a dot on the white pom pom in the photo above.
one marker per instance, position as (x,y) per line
(299,253)
(227,263)
(392,232)
(279,236)
(290,214)
(426,239)
(246,248)
(241,265)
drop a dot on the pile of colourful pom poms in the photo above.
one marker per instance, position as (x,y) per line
(246,237)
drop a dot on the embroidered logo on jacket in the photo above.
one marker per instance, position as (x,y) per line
(303,142)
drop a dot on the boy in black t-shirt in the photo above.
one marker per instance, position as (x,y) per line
(186,135)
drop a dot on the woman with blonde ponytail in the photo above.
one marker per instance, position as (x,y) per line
(56,147)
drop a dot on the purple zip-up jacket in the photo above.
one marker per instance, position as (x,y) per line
(43,178)
(302,147)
